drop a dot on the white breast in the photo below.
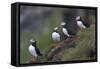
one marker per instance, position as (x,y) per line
(32,50)
(80,24)
(56,36)
(64,30)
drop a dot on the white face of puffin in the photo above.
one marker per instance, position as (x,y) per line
(32,41)
(78,17)
(56,28)
(63,23)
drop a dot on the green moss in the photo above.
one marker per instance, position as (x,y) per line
(44,40)
(84,43)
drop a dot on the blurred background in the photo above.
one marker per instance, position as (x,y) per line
(38,22)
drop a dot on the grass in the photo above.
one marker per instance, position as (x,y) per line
(43,40)
(84,43)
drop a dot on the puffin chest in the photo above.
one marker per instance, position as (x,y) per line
(65,31)
(56,36)
(80,24)
(32,50)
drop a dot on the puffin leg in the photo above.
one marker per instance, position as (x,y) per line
(81,29)
(34,59)
(78,34)
(55,45)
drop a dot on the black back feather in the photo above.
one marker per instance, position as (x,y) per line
(85,23)
(69,30)
(37,49)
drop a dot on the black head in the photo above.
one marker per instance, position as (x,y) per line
(63,24)
(78,18)
(33,42)
(56,29)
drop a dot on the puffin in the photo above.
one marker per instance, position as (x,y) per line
(64,29)
(56,38)
(56,35)
(80,23)
(33,50)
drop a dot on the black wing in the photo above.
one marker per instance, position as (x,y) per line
(85,23)
(38,51)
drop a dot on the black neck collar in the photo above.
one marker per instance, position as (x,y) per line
(34,44)
(64,26)
(55,31)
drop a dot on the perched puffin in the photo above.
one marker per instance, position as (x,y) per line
(34,51)
(81,24)
(64,29)
(56,35)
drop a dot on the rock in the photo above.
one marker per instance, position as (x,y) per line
(55,53)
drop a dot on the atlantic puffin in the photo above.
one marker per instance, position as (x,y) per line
(80,23)
(56,35)
(64,29)
(33,50)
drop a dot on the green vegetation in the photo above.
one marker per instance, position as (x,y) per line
(84,43)
(44,40)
